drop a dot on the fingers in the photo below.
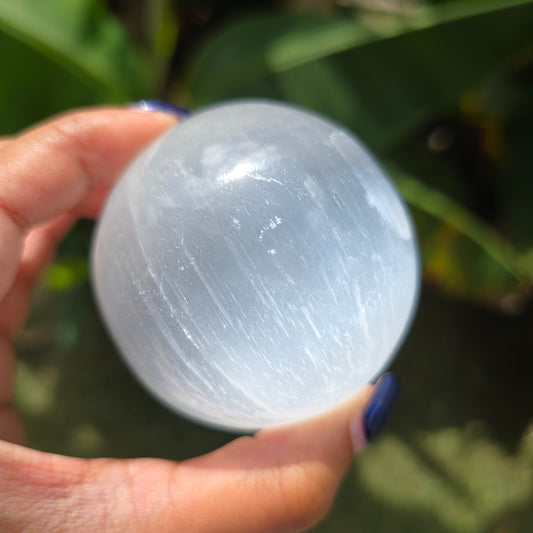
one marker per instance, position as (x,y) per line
(281,480)
(49,170)
(65,165)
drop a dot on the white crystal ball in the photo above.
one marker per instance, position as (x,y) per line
(255,266)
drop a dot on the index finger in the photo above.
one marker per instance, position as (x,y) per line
(66,165)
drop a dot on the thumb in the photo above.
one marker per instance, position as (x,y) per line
(282,479)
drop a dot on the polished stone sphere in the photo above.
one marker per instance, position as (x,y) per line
(255,266)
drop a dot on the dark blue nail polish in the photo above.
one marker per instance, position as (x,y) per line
(380,405)
(164,107)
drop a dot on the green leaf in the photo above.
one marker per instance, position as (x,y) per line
(68,53)
(162,28)
(460,253)
(381,81)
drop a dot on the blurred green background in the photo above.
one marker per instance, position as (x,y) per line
(442,93)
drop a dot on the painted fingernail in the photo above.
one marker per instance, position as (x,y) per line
(379,407)
(161,107)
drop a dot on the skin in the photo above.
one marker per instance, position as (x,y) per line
(279,480)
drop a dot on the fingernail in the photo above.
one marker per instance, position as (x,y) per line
(379,407)
(161,107)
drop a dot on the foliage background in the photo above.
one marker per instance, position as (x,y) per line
(441,91)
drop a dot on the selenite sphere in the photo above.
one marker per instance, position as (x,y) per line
(255,266)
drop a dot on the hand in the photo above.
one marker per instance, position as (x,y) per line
(281,479)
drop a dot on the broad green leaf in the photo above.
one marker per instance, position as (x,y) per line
(33,87)
(460,253)
(380,82)
(61,53)
(162,29)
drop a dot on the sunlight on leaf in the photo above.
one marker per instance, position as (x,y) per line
(36,389)
(460,252)
(66,273)
(469,477)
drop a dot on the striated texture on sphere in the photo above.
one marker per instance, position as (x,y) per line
(255,266)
